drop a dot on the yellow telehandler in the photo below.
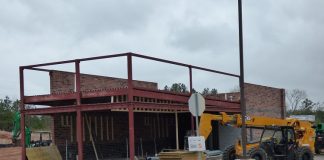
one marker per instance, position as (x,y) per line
(280,139)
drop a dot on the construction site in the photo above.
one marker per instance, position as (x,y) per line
(94,116)
(100,117)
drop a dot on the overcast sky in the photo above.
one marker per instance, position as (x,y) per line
(283,40)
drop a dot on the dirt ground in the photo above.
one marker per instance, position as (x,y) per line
(13,153)
(319,157)
(10,153)
(5,137)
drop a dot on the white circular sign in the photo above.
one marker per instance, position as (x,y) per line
(196,104)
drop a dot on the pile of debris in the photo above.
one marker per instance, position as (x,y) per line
(5,139)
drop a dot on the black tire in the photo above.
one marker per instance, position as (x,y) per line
(304,153)
(257,154)
(229,153)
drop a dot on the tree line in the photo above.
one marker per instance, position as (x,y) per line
(298,103)
(182,88)
(8,108)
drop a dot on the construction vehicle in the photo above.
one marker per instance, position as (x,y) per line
(289,139)
(319,140)
(28,141)
(16,131)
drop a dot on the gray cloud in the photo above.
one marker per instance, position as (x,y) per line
(282,39)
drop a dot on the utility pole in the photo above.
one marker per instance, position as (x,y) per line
(242,99)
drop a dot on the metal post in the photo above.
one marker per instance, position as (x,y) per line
(77,82)
(22,115)
(197,127)
(283,108)
(141,141)
(242,99)
(127,148)
(131,133)
(79,114)
(66,150)
(79,135)
(130,108)
(190,83)
(177,130)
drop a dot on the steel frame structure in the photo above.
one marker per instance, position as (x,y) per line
(130,105)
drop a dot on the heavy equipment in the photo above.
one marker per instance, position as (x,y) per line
(28,141)
(280,139)
(319,140)
(16,131)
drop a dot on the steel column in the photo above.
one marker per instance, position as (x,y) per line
(190,84)
(242,98)
(177,130)
(131,132)
(22,114)
(130,107)
(77,82)
(79,135)
(79,114)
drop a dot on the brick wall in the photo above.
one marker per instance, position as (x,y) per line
(260,101)
(156,131)
(63,82)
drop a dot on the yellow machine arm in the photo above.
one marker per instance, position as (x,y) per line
(236,121)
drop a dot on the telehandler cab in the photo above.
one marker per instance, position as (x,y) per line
(281,139)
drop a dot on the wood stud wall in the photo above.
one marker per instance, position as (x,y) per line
(97,124)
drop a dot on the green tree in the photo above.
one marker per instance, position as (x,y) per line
(177,87)
(8,107)
(6,113)
(214,91)
(294,98)
(208,92)
(205,92)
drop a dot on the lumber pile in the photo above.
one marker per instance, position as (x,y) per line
(179,155)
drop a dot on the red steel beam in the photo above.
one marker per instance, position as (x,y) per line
(131,54)
(71,96)
(131,132)
(148,93)
(77,82)
(40,69)
(109,106)
(48,64)
(141,92)
(161,95)
(153,106)
(51,110)
(104,57)
(49,98)
(130,107)
(22,115)
(104,93)
(183,64)
(79,135)
(74,60)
